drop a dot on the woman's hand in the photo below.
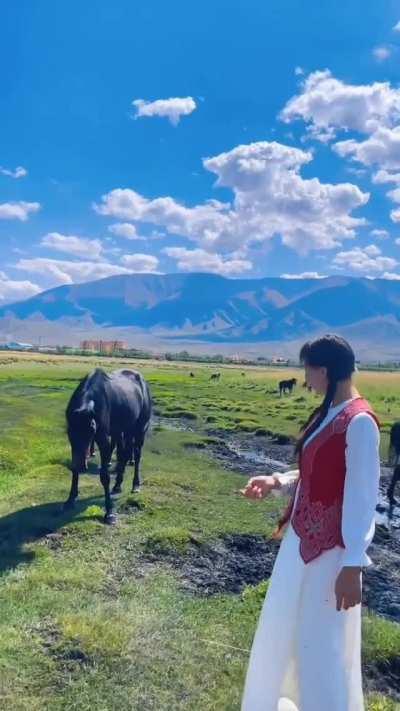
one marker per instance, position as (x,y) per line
(348,588)
(258,487)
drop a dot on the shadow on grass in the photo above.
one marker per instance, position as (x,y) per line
(31,524)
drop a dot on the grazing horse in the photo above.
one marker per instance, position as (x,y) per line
(394,456)
(215,376)
(287,386)
(112,410)
(305,385)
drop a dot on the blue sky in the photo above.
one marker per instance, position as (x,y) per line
(295,104)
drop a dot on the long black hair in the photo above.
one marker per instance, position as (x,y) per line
(337,356)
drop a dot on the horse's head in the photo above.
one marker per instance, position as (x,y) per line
(81,430)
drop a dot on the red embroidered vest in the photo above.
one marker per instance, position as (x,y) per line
(317,516)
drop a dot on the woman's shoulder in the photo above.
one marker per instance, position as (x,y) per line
(363,424)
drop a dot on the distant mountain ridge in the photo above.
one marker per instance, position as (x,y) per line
(208,307)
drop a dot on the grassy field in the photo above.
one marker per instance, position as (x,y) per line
(94,617)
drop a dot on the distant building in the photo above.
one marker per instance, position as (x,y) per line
(17,346)
(106,347)
(279,360)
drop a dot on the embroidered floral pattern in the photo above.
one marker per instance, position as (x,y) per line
(318,526)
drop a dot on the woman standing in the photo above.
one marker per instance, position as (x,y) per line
(306,654)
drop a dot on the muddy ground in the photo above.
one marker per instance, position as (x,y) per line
(237,561)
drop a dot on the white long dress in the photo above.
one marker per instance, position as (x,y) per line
(306,656)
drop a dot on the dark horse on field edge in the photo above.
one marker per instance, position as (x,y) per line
(109,409)
(287,385)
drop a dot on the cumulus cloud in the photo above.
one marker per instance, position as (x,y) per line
(125,229)
(77,246)
(19,172)
(59,271)
(327,104)
(367,261)
(381,148)
(391,276)
(140,262)
(303,275)
(270,198)
(396,28)
(12,290)
(379,234)
(381,53)
(190,260)
(173,108)
(18,210)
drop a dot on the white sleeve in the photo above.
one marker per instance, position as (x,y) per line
(288,482)
(360,489)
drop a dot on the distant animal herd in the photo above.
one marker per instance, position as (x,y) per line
(113,411)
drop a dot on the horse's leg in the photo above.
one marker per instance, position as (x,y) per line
(392,486)
(73,494)
(122,458)
(131,460)
(137,449)
(92,448)
(105,456)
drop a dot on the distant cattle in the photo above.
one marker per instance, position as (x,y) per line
(192,375)
(215,376)
(287,386)
(305,385)
(109,410)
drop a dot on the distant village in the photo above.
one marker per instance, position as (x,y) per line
(121,349)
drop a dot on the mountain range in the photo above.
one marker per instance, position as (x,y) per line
(207,308)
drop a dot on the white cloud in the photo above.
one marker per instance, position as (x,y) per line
(18,210)
(77,246)
(381,148)
(303,275)
(328,104)
(125,229)
(391,276)
(58,271)
(367,261)
(397,241)
(190,260)
(19,172)
(379,234)
(395,215)
(173,108)
(270,198)
(381,53)
(396,28)
(299,71)
(140,262)
(11,290)
(394,195)
(383,176)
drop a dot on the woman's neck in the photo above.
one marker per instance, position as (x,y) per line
(345,390)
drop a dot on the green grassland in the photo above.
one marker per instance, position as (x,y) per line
(88,619)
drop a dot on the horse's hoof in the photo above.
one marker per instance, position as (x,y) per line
(116,490)
(135,489)
(110,519)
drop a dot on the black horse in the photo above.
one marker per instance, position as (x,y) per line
(112,410)
(287,385)
(394,456)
